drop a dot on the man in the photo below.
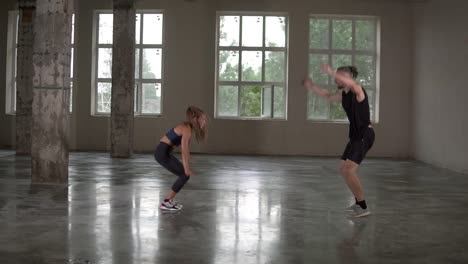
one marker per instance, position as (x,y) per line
(361,134)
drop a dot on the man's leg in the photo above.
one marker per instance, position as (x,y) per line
(348,171)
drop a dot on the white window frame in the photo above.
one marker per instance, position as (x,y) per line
(241,83)
(95,79)
(353,52)
(138,81)
(11,64)
(73,56)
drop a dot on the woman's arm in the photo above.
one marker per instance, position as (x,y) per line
(186,135)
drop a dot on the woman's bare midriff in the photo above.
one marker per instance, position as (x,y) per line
(167,141)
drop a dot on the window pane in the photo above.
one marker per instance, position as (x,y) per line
(319,36)
(135,98)
(317,107)
(228,65)
(342,34)
(279,102)
(251,101)
(365,35)
(73,29)
(252,31)
(337,113)
(274,66)
(152,59)
(341,60)
(229,30)
(105,28)
(228,97)
(266,101)
(137,63)
(104,97)
(315,73)
(251,66)
(275,35)
(371,98)
(16,62)
(16,27)
(71,96)
(104,63)
(14,96)
(137,28)
(152,28)
(151,98)
(366,69)
(71,62)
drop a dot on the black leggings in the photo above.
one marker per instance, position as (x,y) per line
(163,156)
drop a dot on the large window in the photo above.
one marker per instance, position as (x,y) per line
(12,51)
(251,74)
(342,41)
(148,63)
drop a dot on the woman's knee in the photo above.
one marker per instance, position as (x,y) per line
(160,157)
(184,178)
(179,184)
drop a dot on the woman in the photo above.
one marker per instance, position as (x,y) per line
(180,135)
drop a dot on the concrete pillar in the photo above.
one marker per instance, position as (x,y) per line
(24,76)
(123,79)
(51,90)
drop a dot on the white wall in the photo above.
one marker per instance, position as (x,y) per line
(440,106)
(190,36)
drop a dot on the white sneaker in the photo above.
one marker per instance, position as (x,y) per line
(352,208)
(178,205)
(170,206)
(359,212)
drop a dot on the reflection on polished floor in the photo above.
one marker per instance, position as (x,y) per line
(238,209)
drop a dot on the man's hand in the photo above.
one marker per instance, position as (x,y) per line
(326,68)
(307,82)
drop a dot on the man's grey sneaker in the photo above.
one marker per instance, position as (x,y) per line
(352,208)
(359,212)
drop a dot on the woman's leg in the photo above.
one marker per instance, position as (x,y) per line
(164,157)
(177,168)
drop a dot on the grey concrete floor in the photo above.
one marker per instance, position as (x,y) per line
(238,209)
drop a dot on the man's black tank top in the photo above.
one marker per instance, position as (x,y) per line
(358,114)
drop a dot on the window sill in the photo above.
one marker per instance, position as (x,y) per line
(250,119)
(148,116)
(343,122)
(14,114)
(136,116)
(334,122)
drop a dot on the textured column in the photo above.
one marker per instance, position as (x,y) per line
(24,76)
(51,89)
(123,79)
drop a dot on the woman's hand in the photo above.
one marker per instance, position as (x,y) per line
(189,172)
